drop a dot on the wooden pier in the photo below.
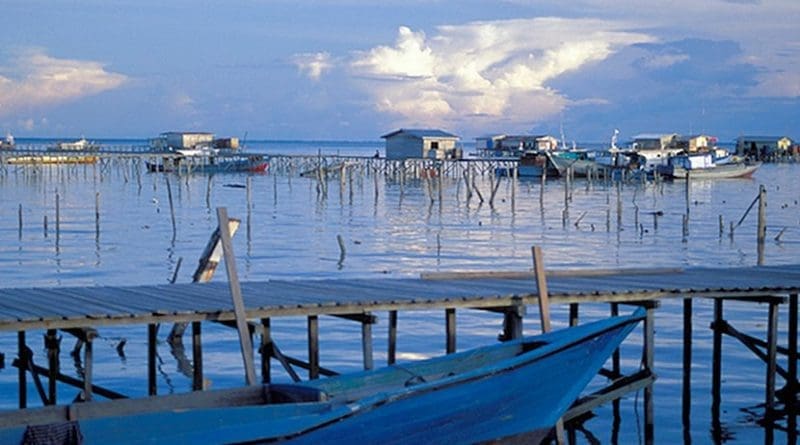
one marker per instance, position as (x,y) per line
(80,311)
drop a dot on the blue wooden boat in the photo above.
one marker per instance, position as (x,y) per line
(517,389)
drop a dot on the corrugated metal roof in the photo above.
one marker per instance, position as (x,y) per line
(64,307)
(421,133)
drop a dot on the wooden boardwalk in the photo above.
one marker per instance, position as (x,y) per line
(24,309)
(80,310)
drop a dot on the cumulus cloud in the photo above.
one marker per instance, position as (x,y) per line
(313,65)
(487,71)
(34,79)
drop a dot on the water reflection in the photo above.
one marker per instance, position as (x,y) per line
(400,227)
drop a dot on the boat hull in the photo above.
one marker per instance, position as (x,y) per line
(721,171)
(250,165)
(481,395)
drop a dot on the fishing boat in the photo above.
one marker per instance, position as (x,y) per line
(8,142)
(581,162)
(513,390)
(208,160)
(704,166)
(80,151)
(530,164)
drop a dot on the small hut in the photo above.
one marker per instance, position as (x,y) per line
(421,143)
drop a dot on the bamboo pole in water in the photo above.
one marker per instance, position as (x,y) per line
(97,214)
(171,206)
(58,216)
(762,214)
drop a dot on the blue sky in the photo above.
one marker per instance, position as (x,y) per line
(350,69)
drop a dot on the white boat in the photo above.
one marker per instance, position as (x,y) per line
(7,143)
(80,145)
(704,166)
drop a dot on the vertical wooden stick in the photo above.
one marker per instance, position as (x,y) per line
(236,295)
(541,286)
(762,214)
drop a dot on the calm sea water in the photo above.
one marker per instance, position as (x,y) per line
(290,231)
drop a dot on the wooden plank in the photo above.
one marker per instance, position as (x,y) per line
(541,286)
(72,381)
(212,254)
(236,295)
(528,274)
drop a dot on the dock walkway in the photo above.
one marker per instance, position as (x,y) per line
(80,310)
(71,307)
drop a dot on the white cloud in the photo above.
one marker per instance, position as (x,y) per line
(492,71)
(37,80)
(313,65)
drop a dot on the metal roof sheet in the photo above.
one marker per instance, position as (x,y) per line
(421,133)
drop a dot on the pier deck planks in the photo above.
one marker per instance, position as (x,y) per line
(68,307)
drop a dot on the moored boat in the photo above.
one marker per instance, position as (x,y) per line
(8,142)
(77,152)
(513,390)
(704,166)
(186,162)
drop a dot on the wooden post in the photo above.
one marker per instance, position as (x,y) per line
(313,347)
(97,215)
(772,358)
(197,357)
(450,322)
(52,344)
(649,363)
(22,375)
(544,314)
(58,216)
(573,314)
(171,206)
(792,356)
(88,361)
(266,350)
(615,358)
(366,341)
(687,363)
(152,383)
(19,213)
(762,214)
(716,361)
(236,295)
(541,287)
(391,354)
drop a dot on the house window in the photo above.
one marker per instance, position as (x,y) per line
(435,145)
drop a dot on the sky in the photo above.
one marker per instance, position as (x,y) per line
(355,70)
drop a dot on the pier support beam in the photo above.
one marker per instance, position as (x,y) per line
(266,350)
(152,384)
(23,378)
(53,345)
(772,358)
(313,347)
(197,357)
(687,365)
(391,354)
(450,322)
(366,342)
(792,357)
